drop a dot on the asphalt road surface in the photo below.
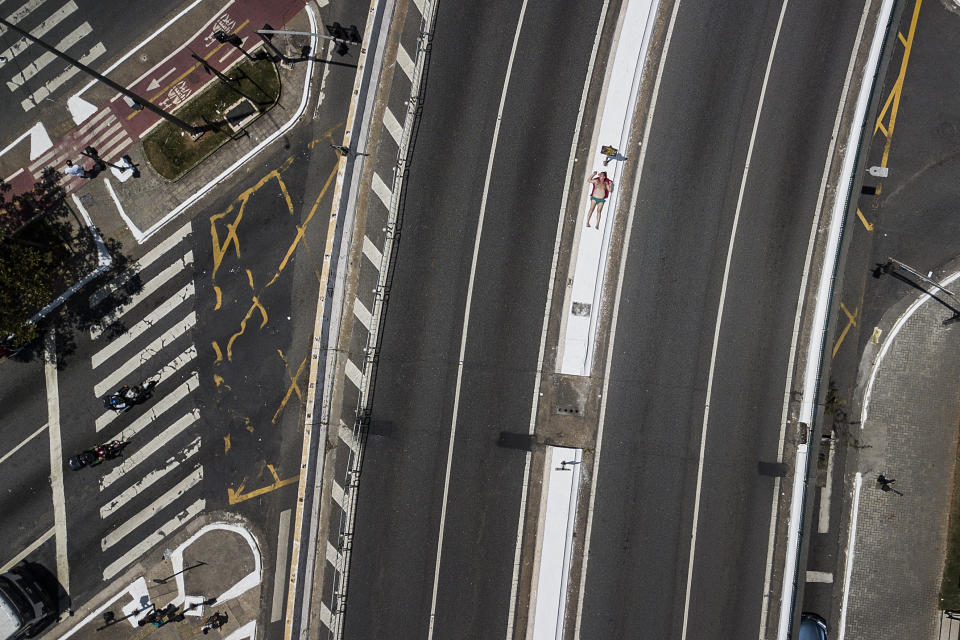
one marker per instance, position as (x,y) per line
(422,391)
(647,515)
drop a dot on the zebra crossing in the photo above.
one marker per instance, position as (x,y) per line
(29,69)
(153,343)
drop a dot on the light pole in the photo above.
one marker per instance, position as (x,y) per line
(192,130)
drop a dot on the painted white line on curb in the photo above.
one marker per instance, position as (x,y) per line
(283,539)
(56,458)
(851,553)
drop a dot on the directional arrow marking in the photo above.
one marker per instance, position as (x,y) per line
(155,83)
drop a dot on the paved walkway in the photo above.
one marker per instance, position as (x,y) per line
(910,416)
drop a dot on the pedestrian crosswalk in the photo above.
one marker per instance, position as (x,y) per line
(32,73)
(154,488)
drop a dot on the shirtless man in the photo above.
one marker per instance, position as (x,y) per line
(600,188)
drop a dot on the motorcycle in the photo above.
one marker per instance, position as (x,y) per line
(125,397)
(97,454)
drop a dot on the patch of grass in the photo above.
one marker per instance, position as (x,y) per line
(950,586)
(173,152)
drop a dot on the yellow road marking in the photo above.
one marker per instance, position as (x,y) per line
(851,322)
(239,496)
(863,219)
(226,443)
(893,100)
(293,388)
(216,347)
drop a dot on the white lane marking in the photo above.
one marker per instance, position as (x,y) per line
(382,190)
(148,480)
(147,323)
(354,374)
(615,316)
(141,454)
(719,322)
(162,502)
(824,577)
(25,441)
(466,316)
(40,143)
(279,578)
(790,568)
(164,373)
(56,457)
(134,229)
(346,434)
(372,252)
(50,86)
(362,313)
(392,125)
(535,402)
(823,522)
(49,23)
(420,5)
(33,546)
(405,61)
(149,258)
(153,539)
(41,61)
(131,365)
(149,289)
(851,553)
(166,402)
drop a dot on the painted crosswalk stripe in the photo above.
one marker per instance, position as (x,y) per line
(163,404)
(50,86)
(390,122)
(115,146)
(40,62)
(41,29)
(372,252)
(148,480)
(148,322)
(127,368)
(153,539)
(22,13)
(405,61)
(363,315)
(148,449)
(148,259)
(169,497)
(164,373)
(151,287)
(381,189)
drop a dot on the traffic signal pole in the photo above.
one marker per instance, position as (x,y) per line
(192,130)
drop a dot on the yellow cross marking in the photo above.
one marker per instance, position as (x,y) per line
(851,322)
(892,103)
(233,497)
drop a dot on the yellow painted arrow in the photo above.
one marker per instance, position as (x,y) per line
(239,496)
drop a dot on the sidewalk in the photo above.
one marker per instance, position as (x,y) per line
(910,386)
(212,565)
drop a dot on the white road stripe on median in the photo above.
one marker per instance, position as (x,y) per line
(49,23)
(109,416)
(131,461)
(153,539)
(382,190)
(147,323)
(146,481)
(151,287)
(372,252)
(353,373)
(405,61)
(148,258)
(392,125)
(39,63)
(279,577)
(362,313)
(50,86)
(131,365)
(169,497)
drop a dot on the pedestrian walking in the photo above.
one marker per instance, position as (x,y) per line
(215,621)
(600,188)
(885,483)
(76,170)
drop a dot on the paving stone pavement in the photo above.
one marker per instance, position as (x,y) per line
(909,433)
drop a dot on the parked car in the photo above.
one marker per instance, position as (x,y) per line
(25,605)
(812,627)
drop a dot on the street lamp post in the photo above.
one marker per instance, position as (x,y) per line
(192,130)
